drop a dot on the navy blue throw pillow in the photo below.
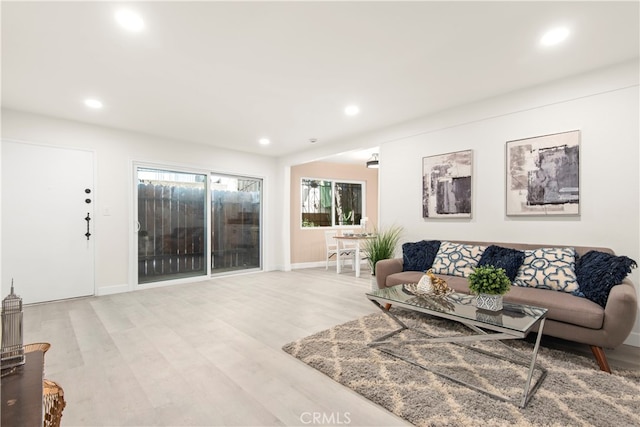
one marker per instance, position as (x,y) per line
(508,259)
(598,272)
(419,256)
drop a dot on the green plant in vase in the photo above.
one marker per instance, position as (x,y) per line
(381,246)
(490,283)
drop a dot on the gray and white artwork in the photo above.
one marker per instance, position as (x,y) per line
(446,185)
(543,175)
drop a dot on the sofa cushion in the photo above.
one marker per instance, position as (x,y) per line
(598,272)
(563,307)
(548,268)
(506,258)
(403,278)
(458,284)
(457,259)
(419,256)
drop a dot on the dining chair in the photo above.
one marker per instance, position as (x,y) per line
(350,246)
(333,246)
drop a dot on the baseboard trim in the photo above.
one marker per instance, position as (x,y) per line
(316,264)
(113,289)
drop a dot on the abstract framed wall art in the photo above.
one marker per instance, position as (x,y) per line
(446,185)
(543,175)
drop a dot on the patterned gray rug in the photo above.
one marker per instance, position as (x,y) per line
(574,393)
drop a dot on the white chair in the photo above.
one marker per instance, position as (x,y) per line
(333,246)
(350,246)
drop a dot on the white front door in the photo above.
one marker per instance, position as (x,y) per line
(47,197)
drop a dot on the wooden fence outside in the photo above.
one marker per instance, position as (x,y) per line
(171,238)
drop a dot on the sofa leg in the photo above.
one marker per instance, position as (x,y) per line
(601,357)
(387,307)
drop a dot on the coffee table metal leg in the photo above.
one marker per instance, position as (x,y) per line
(385,310)
(459,340)
(527,394)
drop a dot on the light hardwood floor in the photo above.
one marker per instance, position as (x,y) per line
(209,353)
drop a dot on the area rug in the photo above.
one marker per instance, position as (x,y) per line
(574,393)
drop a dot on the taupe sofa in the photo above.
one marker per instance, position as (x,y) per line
(569,317)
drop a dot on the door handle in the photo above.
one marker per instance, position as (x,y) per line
(88,219)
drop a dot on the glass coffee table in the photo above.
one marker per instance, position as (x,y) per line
(514,321)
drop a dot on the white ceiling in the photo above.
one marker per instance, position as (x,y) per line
(229,73)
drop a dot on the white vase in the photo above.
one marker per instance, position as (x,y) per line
(424,285)
(489,302)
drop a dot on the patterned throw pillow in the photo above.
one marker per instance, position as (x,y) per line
(506,258)
(419,256)
(549,268)
(456,259)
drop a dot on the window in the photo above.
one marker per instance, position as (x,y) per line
(327,203)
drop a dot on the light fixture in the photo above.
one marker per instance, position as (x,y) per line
(93,103)
(351,110)
(264,141)
(555,36)
(129,20)
(373,161)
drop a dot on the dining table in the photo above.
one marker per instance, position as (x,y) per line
(357,238)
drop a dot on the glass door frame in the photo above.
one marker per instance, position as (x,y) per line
(133,228)
(260,230)
(133,276)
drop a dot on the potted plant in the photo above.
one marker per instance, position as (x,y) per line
(381,246)
(490,283)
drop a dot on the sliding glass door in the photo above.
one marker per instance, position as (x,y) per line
(171,225)
(180,215)
(236,209)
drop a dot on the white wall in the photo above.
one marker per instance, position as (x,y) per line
(115,153)
(604,106)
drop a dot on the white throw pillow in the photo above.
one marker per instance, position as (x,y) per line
(549,268)
(457,259)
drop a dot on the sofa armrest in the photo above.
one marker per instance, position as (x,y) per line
(385,267)
(620,313)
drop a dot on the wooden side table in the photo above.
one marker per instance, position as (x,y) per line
(21,393)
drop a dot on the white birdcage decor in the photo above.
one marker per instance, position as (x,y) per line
(12,349)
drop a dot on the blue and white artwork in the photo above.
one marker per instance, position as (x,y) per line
(543,175)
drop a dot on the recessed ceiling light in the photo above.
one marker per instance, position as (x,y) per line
(555,36)
(129,20)
(351,110)
(93,103)
(264,141)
